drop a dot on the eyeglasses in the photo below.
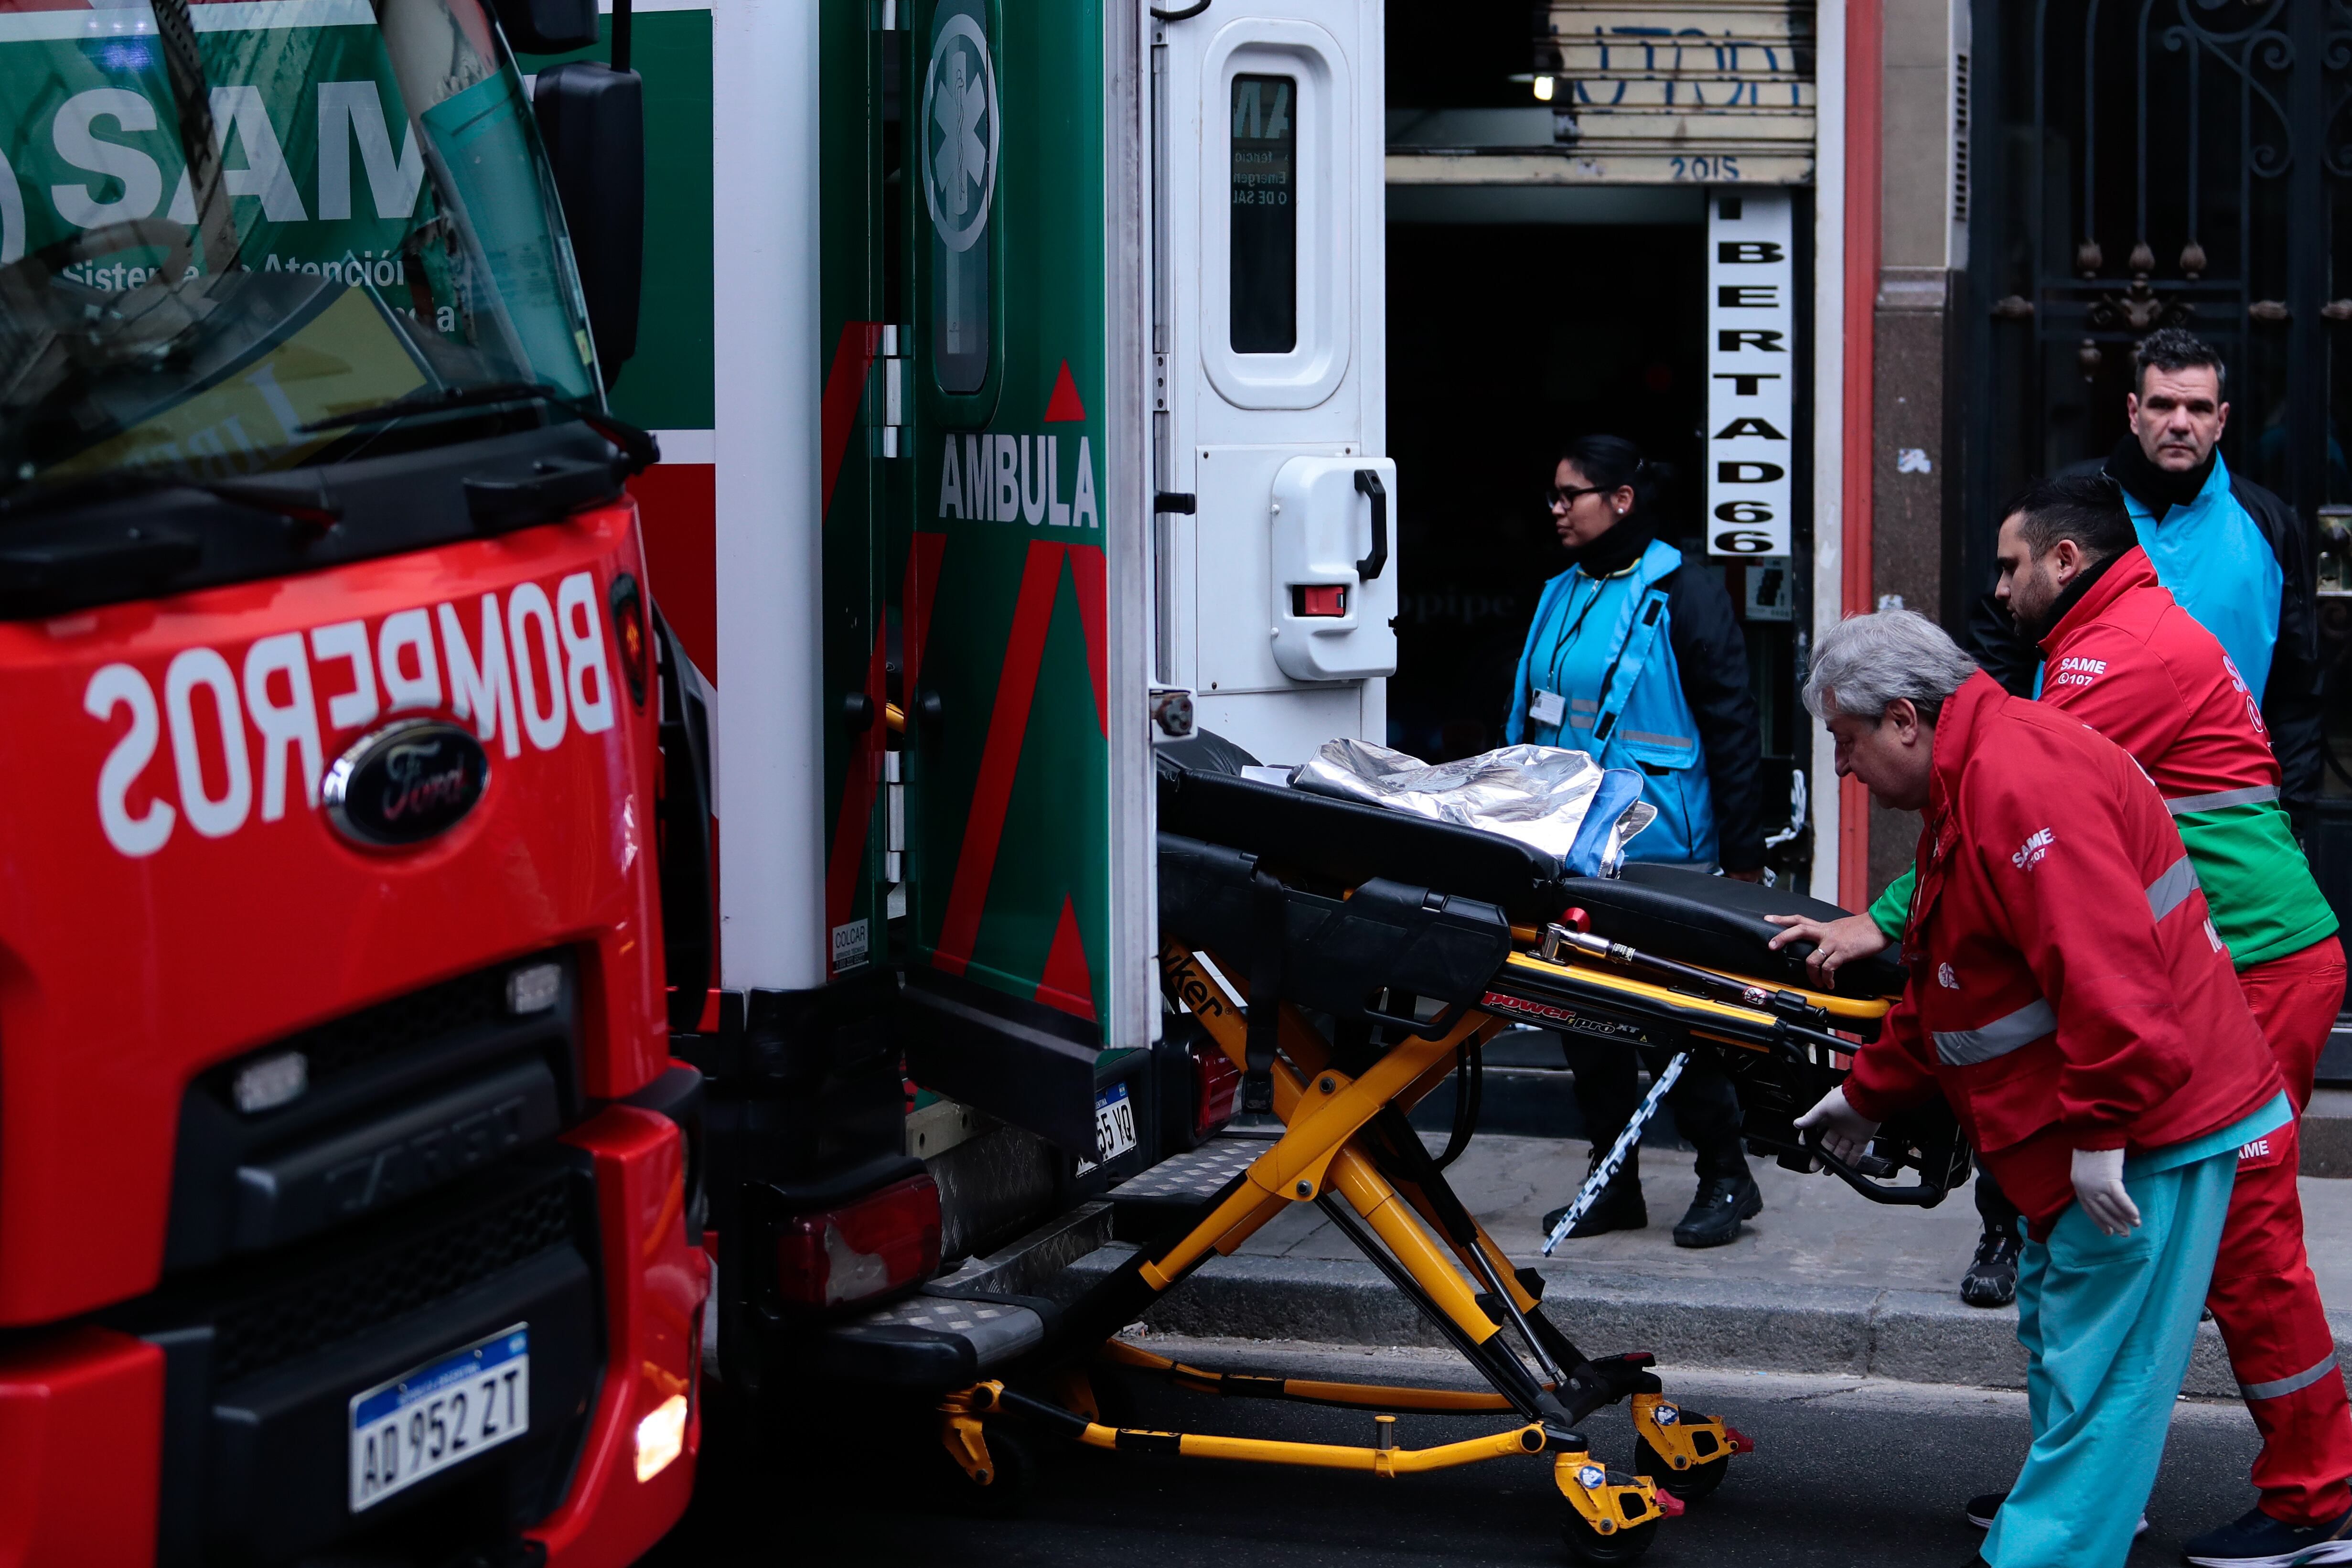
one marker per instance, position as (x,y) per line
(1558,497)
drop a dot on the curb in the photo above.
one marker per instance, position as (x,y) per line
(1540,1102)
(2327,1147)
(1909,1336)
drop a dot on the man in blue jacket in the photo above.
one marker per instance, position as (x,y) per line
(2235,556)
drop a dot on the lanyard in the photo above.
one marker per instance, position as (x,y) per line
(1567,639)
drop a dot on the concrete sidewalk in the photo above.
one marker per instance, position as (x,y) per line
(1821,1281)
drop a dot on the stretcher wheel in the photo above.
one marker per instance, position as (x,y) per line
(1588,1545)
(1688,1485)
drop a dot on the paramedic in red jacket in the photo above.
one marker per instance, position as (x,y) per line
(2123,657)
(2071,1000)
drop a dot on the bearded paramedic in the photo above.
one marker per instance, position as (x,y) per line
(2069,997)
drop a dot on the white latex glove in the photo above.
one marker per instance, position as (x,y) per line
(2099,1188)
(1846,1132)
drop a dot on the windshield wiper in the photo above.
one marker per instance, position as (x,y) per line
(101,538)
(310,505)
(637,447)
(436,399)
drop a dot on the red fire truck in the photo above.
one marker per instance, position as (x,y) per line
(349,1199)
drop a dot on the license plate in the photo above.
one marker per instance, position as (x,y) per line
(439,1415)
(1114,1124)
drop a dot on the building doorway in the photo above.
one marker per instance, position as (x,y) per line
(1507,339)
(1520,318)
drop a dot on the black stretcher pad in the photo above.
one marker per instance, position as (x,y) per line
(1318,841)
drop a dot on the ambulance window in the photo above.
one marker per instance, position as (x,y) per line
(1265,228)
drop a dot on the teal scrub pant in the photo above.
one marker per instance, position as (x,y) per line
(2108,1323)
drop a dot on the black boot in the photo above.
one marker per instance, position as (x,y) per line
(1715,1212)
(1991,1279)
(1619,1207)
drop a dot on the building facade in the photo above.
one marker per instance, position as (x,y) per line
(1991,202)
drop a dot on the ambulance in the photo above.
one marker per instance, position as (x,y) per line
(1019,375)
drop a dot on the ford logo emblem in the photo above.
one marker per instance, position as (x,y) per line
(405,782)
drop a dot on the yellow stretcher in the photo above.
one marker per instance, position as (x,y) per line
(1376,989)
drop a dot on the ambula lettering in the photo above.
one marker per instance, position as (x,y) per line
(1016,478)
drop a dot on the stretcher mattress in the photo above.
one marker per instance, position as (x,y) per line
(1318,841)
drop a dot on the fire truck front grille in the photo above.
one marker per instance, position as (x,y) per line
(433,1013)
(361,1114)
(356,1294)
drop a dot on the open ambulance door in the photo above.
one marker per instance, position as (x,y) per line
(1143,403)
(1019,580)
(1275,539)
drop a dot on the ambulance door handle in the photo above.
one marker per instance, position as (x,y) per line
(1367,483)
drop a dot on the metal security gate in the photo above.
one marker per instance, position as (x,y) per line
(2141,164)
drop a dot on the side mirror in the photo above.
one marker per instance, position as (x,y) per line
(547,27)
(592,119)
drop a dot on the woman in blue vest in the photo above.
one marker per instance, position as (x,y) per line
(1639,661)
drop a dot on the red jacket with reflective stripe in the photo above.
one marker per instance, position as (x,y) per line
(2066,990)
(2129,661)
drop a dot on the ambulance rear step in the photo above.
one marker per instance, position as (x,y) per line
(963,1324)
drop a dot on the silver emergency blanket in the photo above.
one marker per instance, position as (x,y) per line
(1540,795)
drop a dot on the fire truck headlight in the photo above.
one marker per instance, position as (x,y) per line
(661,1437)
(270,1082)
(534,988)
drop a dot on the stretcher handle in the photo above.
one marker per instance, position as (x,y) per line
(1420,1029)
(1922,1194)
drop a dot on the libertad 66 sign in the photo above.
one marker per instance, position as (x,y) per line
(1751,340)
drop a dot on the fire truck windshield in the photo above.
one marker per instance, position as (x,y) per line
(239,235)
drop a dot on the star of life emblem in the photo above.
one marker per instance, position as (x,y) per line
(960,134)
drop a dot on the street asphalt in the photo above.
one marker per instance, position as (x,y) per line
(1847,1471)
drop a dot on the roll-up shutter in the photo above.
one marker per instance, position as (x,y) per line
(1706,92)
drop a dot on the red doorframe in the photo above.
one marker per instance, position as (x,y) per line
(1865,73)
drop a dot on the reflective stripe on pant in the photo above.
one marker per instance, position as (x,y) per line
(2263,1297)
(2264,1294)
(2108,1323)
(2267,1306)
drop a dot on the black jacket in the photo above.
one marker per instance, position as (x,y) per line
(1712,658)
(2291,698)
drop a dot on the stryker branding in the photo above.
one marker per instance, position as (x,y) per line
(243,736)
(1561,1017)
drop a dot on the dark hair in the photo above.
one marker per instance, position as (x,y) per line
(2171,348)
(2086,508)
(1612,461)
